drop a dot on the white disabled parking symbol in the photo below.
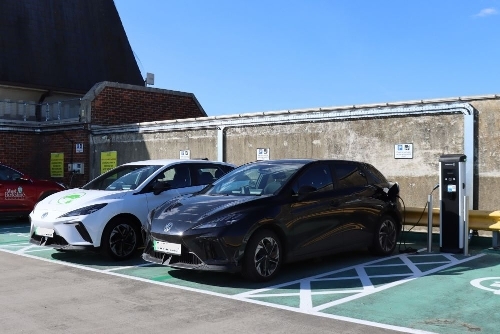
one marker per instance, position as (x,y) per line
(487,283)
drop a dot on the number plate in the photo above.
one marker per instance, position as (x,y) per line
(44,232)
(167,247)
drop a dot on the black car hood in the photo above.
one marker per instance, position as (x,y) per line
(188,212)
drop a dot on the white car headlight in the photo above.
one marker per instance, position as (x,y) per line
(85,210)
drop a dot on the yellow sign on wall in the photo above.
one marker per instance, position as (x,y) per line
(108,161)
(56,164)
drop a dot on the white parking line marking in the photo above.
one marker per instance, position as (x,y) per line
(26,249)
(17,234)
(128,267)
(16,244)
(367,286)
(305,296)
(12,228)
(39,249)
(365,280)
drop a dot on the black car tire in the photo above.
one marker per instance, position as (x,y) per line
(120,239)
(263,256)
(385,236)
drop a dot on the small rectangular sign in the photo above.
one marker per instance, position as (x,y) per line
(167,247)
(185,154)
(44,232)
(79,148)
(56,164)
(263,154)
(108,161)
(403,151)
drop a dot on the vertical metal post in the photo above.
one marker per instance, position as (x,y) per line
(466,225)
(220,143)
(429,223)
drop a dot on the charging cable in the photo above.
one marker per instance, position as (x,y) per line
(402,241)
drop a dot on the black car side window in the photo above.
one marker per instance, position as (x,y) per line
(317,176)
(349,174)
(374,176)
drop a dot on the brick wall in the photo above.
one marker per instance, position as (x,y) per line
(18,151)
(30,153)
(112,104)
(116,105)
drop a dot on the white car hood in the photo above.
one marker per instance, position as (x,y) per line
(72,199)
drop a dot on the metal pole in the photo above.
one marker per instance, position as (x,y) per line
(466,225)
(429,223)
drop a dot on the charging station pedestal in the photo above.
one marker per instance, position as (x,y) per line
(451,196)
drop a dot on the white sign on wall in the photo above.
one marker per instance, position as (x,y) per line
(262,154)
(403,151)
(185,154)
(79,148)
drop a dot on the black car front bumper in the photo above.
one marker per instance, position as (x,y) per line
(211,257)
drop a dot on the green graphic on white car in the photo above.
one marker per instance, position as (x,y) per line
(70,198)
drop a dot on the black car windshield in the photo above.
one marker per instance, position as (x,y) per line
(122,178)
(260,178)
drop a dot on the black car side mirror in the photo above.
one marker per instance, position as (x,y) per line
(305,190)
(393,191)
(160,186)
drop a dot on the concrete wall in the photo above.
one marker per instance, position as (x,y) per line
(366,138)
(488,153)
(162,145)
(371,140)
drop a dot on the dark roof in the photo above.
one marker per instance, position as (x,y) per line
(64,45)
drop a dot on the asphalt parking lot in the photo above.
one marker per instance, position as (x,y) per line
(42,290)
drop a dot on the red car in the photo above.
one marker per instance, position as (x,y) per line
(19,193)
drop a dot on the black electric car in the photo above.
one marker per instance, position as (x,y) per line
(266,213)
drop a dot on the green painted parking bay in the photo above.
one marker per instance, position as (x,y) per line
(433,292)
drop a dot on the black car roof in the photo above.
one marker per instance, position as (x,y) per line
(305,161)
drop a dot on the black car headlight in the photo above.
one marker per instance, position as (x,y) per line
(225,220)
(85,210)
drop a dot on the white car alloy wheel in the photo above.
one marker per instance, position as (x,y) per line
(120,240)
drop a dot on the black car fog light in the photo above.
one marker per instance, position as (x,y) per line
(213,249)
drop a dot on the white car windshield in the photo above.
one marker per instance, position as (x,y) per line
(126,177)
(255,179)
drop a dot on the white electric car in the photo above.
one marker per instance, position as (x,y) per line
(107,213)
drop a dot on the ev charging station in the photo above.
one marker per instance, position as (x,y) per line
(453,215)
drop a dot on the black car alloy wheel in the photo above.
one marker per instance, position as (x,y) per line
(120,240)
(385,237)
(262,256)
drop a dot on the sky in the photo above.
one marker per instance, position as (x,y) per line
(241,57)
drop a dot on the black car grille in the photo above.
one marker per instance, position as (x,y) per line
(186,258)
(157,255)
